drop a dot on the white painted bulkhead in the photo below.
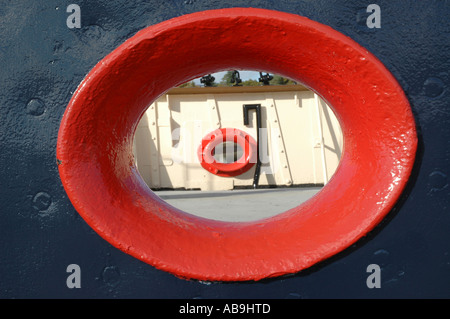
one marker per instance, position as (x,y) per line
(300,140)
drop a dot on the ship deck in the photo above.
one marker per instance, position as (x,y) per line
(238,205)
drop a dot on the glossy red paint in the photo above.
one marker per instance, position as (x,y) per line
(243,164)
(94,148)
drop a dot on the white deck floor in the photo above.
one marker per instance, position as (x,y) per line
(238,205)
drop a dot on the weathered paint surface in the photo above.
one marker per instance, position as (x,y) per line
(96,136)
(43,62)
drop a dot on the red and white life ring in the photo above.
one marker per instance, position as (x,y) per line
(215,138)
(95,140)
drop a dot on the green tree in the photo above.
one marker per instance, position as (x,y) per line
(190,84)
(251,82)
(279,80)
(226,79)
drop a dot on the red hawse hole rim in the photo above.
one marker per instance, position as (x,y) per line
(94,148)
(243,164)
